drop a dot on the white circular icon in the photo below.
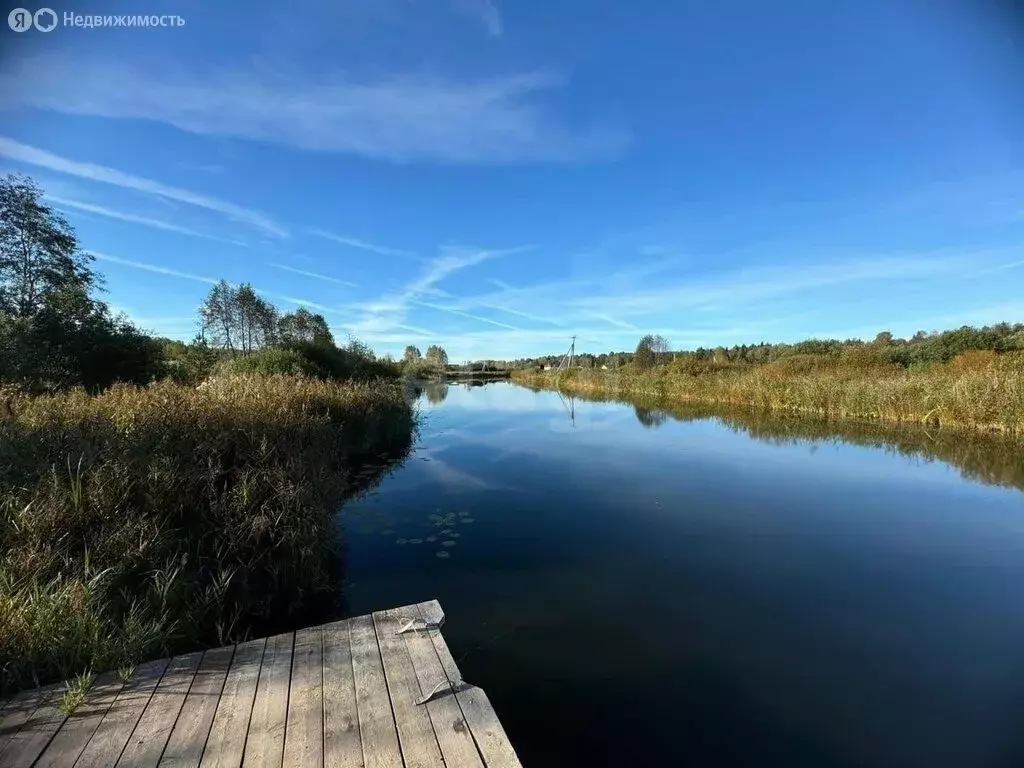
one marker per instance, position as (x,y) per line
(20,20)
(45,19)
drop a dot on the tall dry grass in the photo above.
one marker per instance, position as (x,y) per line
(977,390)
(148,520)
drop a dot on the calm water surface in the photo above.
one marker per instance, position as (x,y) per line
(632,588)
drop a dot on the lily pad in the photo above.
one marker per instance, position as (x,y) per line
(415,541)
(401,541)
(431,539)
(443,554)
(468,520)
(447,543)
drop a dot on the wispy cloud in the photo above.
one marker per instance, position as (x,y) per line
(454,260)
(155,268)
(146,221)
(416,329)
(400,118)
(467,314)
(520,313)
(486,11)
(587,298)
(1001,267)
(361,244)
(389,310)
(23,153)
(315,275)
(612,321)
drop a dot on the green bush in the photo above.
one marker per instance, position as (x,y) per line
(321,361)
(423,368)
(274,360)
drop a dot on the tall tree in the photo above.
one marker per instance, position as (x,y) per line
(437,356)
(660,347)
(218,317)
(302,326)
(412,354)
(53,332)
(256,319)
(359,349)
(39,254)
(644,357)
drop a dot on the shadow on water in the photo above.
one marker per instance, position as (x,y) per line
(650,417)
(987,457)
(436,392)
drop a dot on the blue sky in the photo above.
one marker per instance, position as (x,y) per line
(496,177)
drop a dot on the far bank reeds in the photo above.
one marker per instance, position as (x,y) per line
(144,521)
(976,390)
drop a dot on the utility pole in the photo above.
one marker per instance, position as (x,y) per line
(568,356)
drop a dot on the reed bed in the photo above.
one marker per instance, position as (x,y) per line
(976,390)
(151,520)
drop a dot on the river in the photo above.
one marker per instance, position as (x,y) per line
(637,587)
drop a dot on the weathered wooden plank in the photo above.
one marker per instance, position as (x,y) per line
(18,711)
(483,722)
(304,742)
(116,728)
(377,730)
(415,731)
(35,733)
(78,729)
(342,747)
(147,741)
(226,743)
(187,741)
(450,728)
(265,744)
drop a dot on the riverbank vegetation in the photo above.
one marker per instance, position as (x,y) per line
(143,521)
(968,377)
(158,496)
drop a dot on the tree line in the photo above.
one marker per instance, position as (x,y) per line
(922,349)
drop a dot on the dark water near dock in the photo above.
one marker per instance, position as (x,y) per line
(636,587)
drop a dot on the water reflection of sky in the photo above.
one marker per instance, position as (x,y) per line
(824,603)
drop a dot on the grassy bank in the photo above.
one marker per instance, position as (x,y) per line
(975,390)
(145,521)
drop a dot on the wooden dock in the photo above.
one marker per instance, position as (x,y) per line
(372,691)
